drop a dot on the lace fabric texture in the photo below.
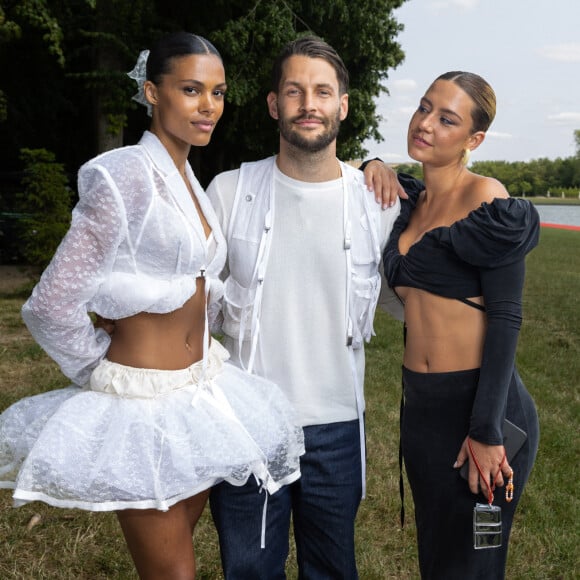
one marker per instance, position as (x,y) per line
(138,438)
(136,244)
(123,446)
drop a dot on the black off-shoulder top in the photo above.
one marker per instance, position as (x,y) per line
(482,254)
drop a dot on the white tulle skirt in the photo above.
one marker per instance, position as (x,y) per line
(145,438)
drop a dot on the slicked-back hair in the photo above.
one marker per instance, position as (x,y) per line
(312,47)
(481,93)
(173,46)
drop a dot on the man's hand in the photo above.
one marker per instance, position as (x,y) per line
(106,324)
(382,180)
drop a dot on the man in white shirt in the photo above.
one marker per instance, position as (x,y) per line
(305,240)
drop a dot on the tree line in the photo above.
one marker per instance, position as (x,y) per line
(538,177)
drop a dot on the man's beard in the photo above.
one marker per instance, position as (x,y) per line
(312,145)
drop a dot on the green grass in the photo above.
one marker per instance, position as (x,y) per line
(73,544)
(539,200)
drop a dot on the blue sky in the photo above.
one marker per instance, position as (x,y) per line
(529,51)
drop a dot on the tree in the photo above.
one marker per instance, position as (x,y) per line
(250,34)
(44,204)
(36,15)
(107,48)
(413,169)
(577,140)
(74,102)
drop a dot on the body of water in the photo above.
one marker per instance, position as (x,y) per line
(568,215)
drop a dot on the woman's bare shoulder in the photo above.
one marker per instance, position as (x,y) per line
(483,189)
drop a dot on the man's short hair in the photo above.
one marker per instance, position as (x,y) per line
(312,47)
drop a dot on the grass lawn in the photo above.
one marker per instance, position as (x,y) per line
(73,544)
(538,200)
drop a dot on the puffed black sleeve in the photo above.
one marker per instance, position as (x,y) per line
(412,186)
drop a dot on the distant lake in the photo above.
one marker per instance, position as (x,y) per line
(568,215)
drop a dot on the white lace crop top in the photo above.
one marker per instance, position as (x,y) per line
(135,244)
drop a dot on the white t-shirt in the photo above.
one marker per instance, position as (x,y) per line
(302,341)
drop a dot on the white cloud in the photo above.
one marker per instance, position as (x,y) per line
(407,111)
(565,118)
(391,157)
(499,135)
(405,85)
(567,52)
(463,4)
(544,51)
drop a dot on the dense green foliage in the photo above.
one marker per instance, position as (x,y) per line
(14,16)
(64,65)
(537,177)
(45,203)
(64,82)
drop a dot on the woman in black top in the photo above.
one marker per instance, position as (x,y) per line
(456,259)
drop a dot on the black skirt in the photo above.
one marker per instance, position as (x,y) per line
(435,422)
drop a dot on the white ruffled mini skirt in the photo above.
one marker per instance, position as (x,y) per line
(147,438)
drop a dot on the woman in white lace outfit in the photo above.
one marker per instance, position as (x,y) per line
(155,416)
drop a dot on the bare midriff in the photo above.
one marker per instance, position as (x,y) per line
(443,334)
(169,341)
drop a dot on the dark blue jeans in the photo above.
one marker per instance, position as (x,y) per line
(323,504)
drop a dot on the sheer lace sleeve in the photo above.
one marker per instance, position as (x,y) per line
(56,313)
